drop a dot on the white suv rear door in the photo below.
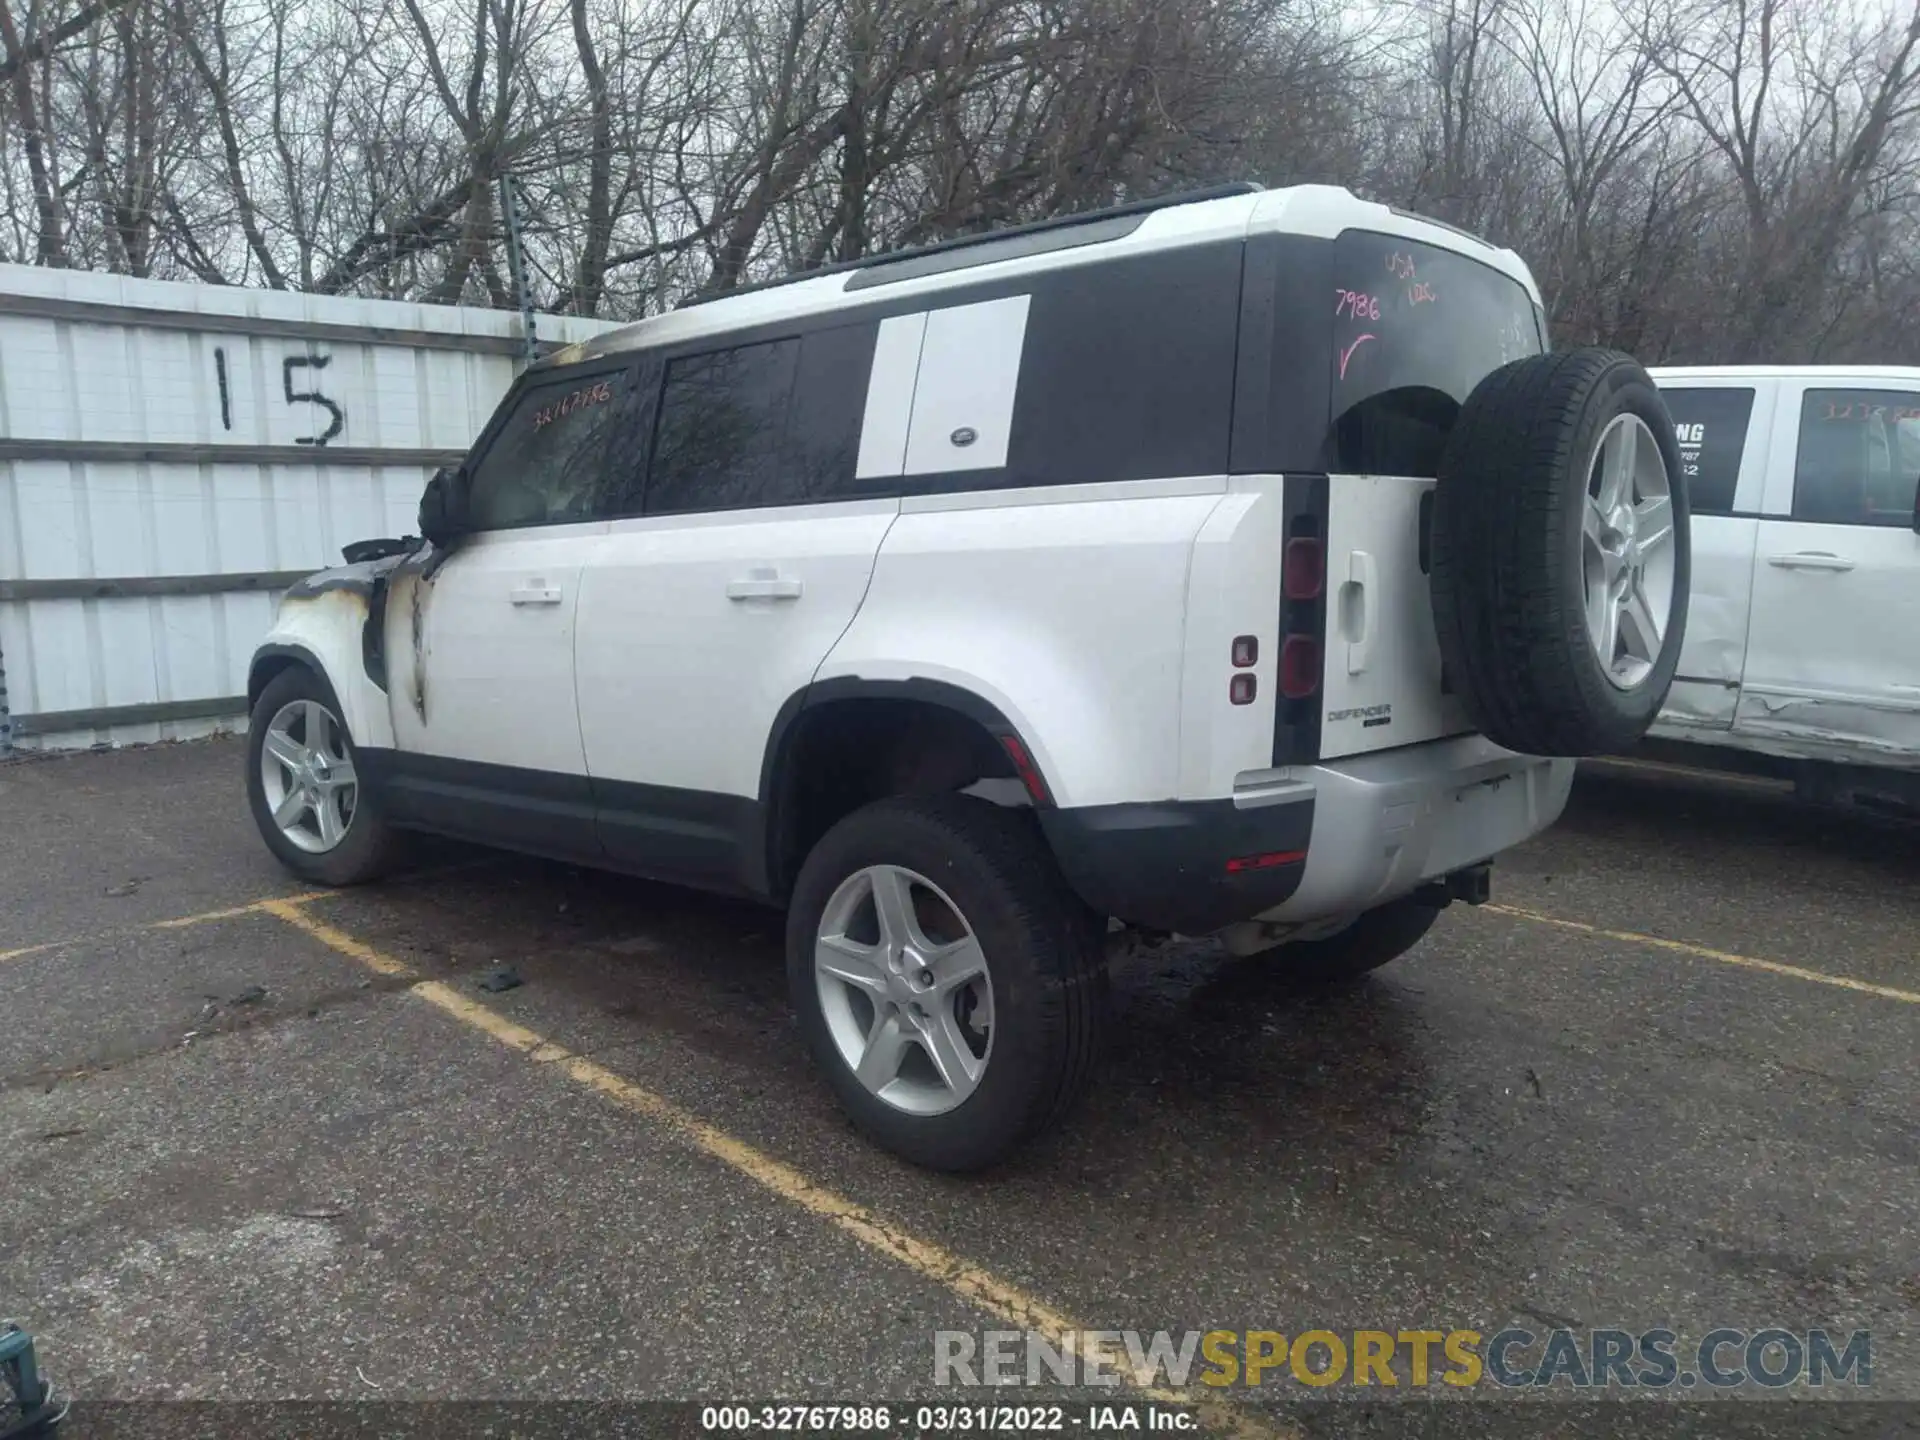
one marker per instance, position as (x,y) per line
(1836,582)
(703,613)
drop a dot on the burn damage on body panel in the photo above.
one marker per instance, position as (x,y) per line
(364,587)
(418,584)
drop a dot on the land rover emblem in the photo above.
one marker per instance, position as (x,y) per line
(965,435)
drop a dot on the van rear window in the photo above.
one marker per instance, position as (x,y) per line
(1415,328)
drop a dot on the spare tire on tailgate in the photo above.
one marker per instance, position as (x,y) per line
(1560,554)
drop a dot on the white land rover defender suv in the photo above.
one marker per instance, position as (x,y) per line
(1231,564)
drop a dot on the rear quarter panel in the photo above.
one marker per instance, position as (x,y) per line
(1064,607)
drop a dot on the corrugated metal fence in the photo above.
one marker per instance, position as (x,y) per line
(173,456)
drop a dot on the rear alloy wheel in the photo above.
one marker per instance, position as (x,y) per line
(904,990)
(305,788)
(949,984)
(1560,545)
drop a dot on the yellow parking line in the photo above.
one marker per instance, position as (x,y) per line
(960,1277)
(232,912)
(1703,952)
(178,922)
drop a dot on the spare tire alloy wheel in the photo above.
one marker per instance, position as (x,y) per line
(904,990)
(307,776)
(1627,552)
(1560,554)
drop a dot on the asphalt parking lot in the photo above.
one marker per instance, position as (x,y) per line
(262,1144)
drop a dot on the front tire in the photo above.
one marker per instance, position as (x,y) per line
(304,786)
(950,986)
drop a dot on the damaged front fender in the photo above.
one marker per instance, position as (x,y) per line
(338,618)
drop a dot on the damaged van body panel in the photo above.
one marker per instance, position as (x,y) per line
(1806,580)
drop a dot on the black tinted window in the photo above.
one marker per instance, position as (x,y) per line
(1415,329)
(721,439)
(548,460)
(1711,426)
(1859,459)
(1126,372)
(829,403)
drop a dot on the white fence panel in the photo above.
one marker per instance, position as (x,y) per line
(173,456)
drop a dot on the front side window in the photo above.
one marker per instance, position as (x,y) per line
(1859,459)
(548,461)
(1710,426)
(1415,328)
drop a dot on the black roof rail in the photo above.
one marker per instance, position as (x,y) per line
(962,242)
(1440,224)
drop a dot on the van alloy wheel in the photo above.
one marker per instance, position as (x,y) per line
(904,990)
(1627,552)
(307,776)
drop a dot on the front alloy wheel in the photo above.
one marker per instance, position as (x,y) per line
(307,776)
(307,789)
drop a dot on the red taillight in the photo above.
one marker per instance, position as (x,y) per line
(1241,689)
(1265,862)
(1023,766)
(1299,666)
(1246,651)
(1304,575)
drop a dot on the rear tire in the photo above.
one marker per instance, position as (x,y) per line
(301,709)
(1539,568)
(1378,937)
(1040,1003)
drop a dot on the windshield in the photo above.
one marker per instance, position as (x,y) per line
(1415,328)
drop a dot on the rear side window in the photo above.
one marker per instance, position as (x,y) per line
(1711,428)
(723,418)
(1120,370)
(1415,328)
(774,423)
(1859,457)
(548,460)
(1127,369)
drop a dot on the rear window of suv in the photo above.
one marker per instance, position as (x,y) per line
(1415,328)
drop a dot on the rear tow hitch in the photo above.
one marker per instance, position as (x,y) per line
(1472,884)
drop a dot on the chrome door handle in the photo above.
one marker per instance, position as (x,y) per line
(763,587)
(534,595)
(1811,560)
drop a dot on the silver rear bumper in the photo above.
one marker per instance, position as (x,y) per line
(1384,823)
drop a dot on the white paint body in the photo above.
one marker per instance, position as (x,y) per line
(1801,635)
(1096,618)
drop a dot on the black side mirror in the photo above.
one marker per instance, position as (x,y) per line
(443,507)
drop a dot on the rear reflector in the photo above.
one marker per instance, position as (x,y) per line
(1241,689)
(1023,766)
(1265,862)
(1246,651)
(1304,575)
(1299,666)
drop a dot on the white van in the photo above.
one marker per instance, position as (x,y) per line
(1802,652)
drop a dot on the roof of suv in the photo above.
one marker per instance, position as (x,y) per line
(1316,210)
